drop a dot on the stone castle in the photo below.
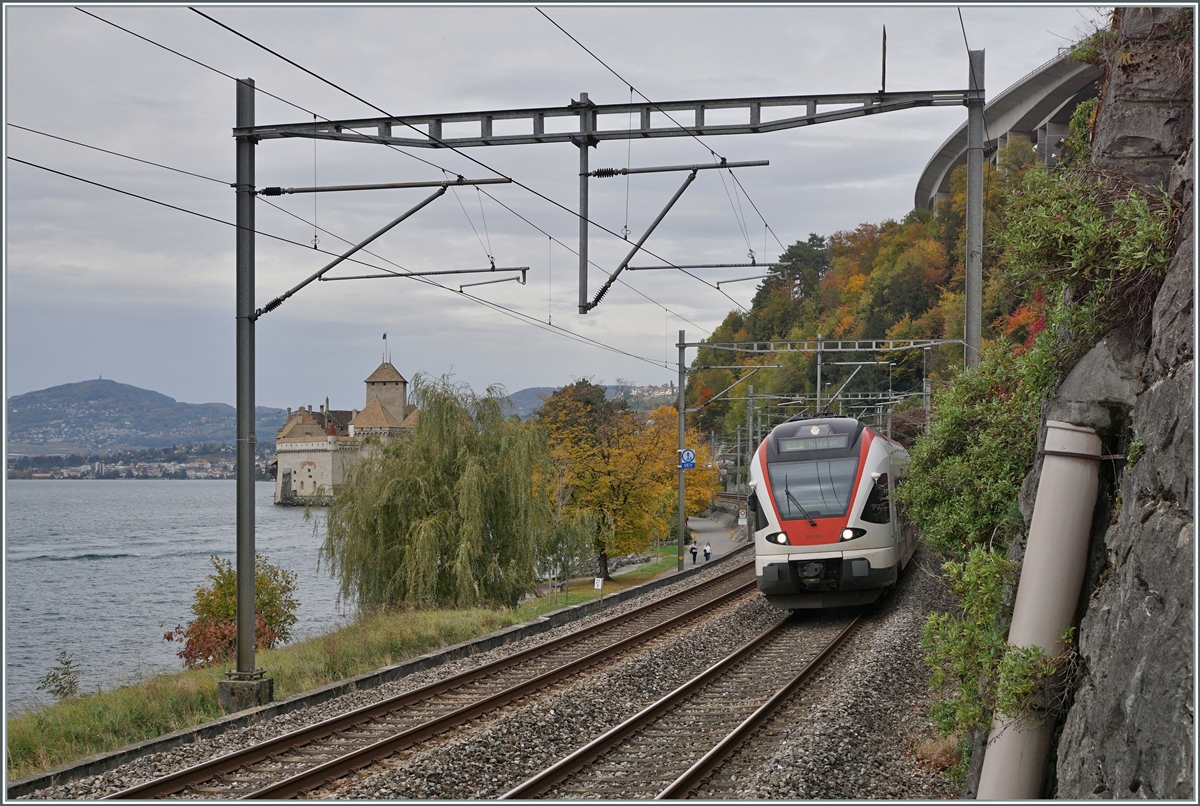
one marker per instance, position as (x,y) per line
(315,449)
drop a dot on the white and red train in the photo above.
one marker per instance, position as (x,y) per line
(826,528)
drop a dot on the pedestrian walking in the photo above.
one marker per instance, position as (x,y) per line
(707,552)
(693,552)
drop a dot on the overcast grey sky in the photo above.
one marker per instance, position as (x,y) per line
(100,284)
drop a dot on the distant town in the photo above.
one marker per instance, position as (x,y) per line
(91,430)
(197,461)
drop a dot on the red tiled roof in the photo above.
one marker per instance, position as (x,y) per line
(375,415)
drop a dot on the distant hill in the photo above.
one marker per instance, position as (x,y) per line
(640,398)
(104,415)
(528,401)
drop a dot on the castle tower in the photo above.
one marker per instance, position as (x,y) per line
(389,387)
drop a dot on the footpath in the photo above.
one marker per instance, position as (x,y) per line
(705,530)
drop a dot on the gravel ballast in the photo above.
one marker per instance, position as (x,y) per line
(854,736)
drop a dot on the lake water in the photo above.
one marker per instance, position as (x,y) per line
(102,569)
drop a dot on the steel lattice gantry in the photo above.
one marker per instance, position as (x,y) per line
(822,345)
(426,131)
(582,123)
(585,124)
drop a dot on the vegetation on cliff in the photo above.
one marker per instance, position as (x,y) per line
(1081,251)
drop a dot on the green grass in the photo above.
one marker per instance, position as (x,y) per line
(93,723)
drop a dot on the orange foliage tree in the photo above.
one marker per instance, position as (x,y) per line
(618,466)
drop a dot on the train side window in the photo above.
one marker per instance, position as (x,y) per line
(876,510)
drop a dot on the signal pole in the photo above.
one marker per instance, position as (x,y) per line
(819,342)
(749,432)
(682,522)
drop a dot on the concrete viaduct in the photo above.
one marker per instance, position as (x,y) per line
(1038,108)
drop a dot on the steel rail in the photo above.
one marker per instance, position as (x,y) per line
(687,783)
(340,767)
(544,781)
(551,776)
(205,771)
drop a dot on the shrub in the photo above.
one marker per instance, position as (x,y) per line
(1094,243)
(965,473)
(976,673)
(61,682)
(212,635)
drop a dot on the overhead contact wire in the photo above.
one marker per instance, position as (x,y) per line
(495,306)
(257,89)
(591,262)
(199,63)
(123,156)
(679,125)
(184,210)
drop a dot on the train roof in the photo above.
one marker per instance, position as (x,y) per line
(814,438)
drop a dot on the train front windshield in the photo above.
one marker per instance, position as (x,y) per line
(819,489)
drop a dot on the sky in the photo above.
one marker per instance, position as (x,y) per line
(100,284)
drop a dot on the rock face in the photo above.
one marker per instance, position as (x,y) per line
(1130,731)
(1145,122)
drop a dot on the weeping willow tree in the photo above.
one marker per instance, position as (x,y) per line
(448,517)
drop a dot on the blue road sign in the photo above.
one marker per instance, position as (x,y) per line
(687,459)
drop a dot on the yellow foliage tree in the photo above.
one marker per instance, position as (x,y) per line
(619,466)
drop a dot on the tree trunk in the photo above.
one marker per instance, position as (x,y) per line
(604,566)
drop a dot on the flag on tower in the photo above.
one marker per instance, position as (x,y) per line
(385,337)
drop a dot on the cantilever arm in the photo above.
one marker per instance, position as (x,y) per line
(612,277)
(726,389)
(743,279)
(275,303)
(520,280)
(843,386)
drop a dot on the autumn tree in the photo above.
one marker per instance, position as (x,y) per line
(620,467)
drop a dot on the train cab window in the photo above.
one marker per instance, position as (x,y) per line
(877,510)
(815,489)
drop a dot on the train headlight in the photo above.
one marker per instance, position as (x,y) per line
(851,532)
(779,538)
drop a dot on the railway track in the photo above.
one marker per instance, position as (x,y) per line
(308,757)
(672,747)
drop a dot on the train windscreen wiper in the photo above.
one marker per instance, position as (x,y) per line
(787,492)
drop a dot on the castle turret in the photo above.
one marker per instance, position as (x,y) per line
(389,387)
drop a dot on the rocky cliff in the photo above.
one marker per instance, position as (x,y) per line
(1130,730)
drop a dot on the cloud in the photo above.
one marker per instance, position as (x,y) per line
(98,282)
